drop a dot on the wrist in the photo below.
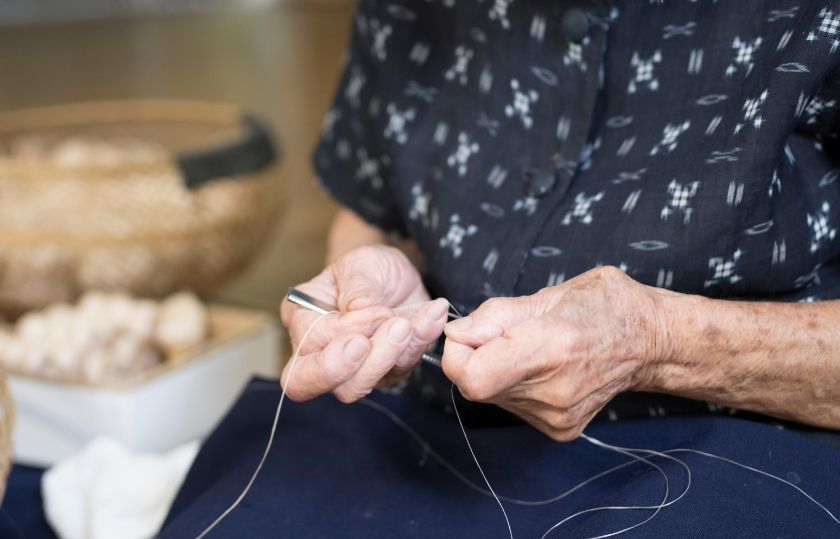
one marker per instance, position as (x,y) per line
(672,319)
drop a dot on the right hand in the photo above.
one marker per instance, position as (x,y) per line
(367,344)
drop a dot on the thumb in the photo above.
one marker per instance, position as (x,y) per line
(358,287)
(492,319)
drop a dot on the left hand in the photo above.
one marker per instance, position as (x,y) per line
(557,357)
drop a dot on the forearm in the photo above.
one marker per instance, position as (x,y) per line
(349,231)
(775,358)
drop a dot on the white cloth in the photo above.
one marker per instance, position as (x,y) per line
(106,491)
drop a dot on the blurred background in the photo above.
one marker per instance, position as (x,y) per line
(116,358)
(278,59)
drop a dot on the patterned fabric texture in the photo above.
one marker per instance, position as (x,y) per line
(693,144)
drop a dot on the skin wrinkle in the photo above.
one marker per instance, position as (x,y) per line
(602,332)
(771,361)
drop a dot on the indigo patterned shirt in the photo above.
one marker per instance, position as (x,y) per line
(693,144)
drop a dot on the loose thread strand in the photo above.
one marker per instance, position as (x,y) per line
(293,363)
(428,450)
(477,465)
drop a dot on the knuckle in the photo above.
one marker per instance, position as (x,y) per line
(345,396)
(475,389)
(469,389)
(294,393)
(611,273)
(333,372)
(560,422)
(491,305)
(564,435)
(564,398)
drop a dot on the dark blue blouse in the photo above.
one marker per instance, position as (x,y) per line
(693,144)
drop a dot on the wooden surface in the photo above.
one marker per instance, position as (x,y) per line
(281,63)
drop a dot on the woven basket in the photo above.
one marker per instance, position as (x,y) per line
(187,215)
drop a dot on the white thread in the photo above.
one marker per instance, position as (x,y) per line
(247,488)
(469,446)
(756,470)
(490,492)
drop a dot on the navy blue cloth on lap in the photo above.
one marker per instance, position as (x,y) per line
(348,471)
(22,513)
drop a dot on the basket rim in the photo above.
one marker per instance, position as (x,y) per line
(174,111)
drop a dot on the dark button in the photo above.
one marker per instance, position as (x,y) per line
(539,182)
(575,24)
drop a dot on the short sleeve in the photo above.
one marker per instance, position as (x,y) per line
(350,160)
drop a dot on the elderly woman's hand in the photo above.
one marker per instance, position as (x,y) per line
(368,344)
(557,357)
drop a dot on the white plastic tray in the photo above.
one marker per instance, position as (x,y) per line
(177,402)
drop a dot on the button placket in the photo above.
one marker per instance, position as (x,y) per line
(552,181)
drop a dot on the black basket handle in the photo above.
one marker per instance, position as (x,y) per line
(255,151)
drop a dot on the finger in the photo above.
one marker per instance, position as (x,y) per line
(490,320)
(454,361)
(364,322)
(504,362)
(308,376)
(427,324)
(387,344)
(361,280)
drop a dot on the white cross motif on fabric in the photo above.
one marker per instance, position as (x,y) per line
(680,202)
(521,105)
(499,12)
(459,69)
(670,136)
(723,269)
(744,53)
(461,156)
(821,230)
(421,204)
(828,29)
(752,111)
(456,234)
(381,33)
(582,211)
(397,122)
(644,72)
(370,168)
(574,56)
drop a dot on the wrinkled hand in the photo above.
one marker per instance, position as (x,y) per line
(557,357)
(367,344)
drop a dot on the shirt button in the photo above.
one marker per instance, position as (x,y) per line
(538,182)
(575,25)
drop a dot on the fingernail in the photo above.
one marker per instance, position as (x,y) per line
(460,325)
(399,330)
(437,309)
(355,349)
